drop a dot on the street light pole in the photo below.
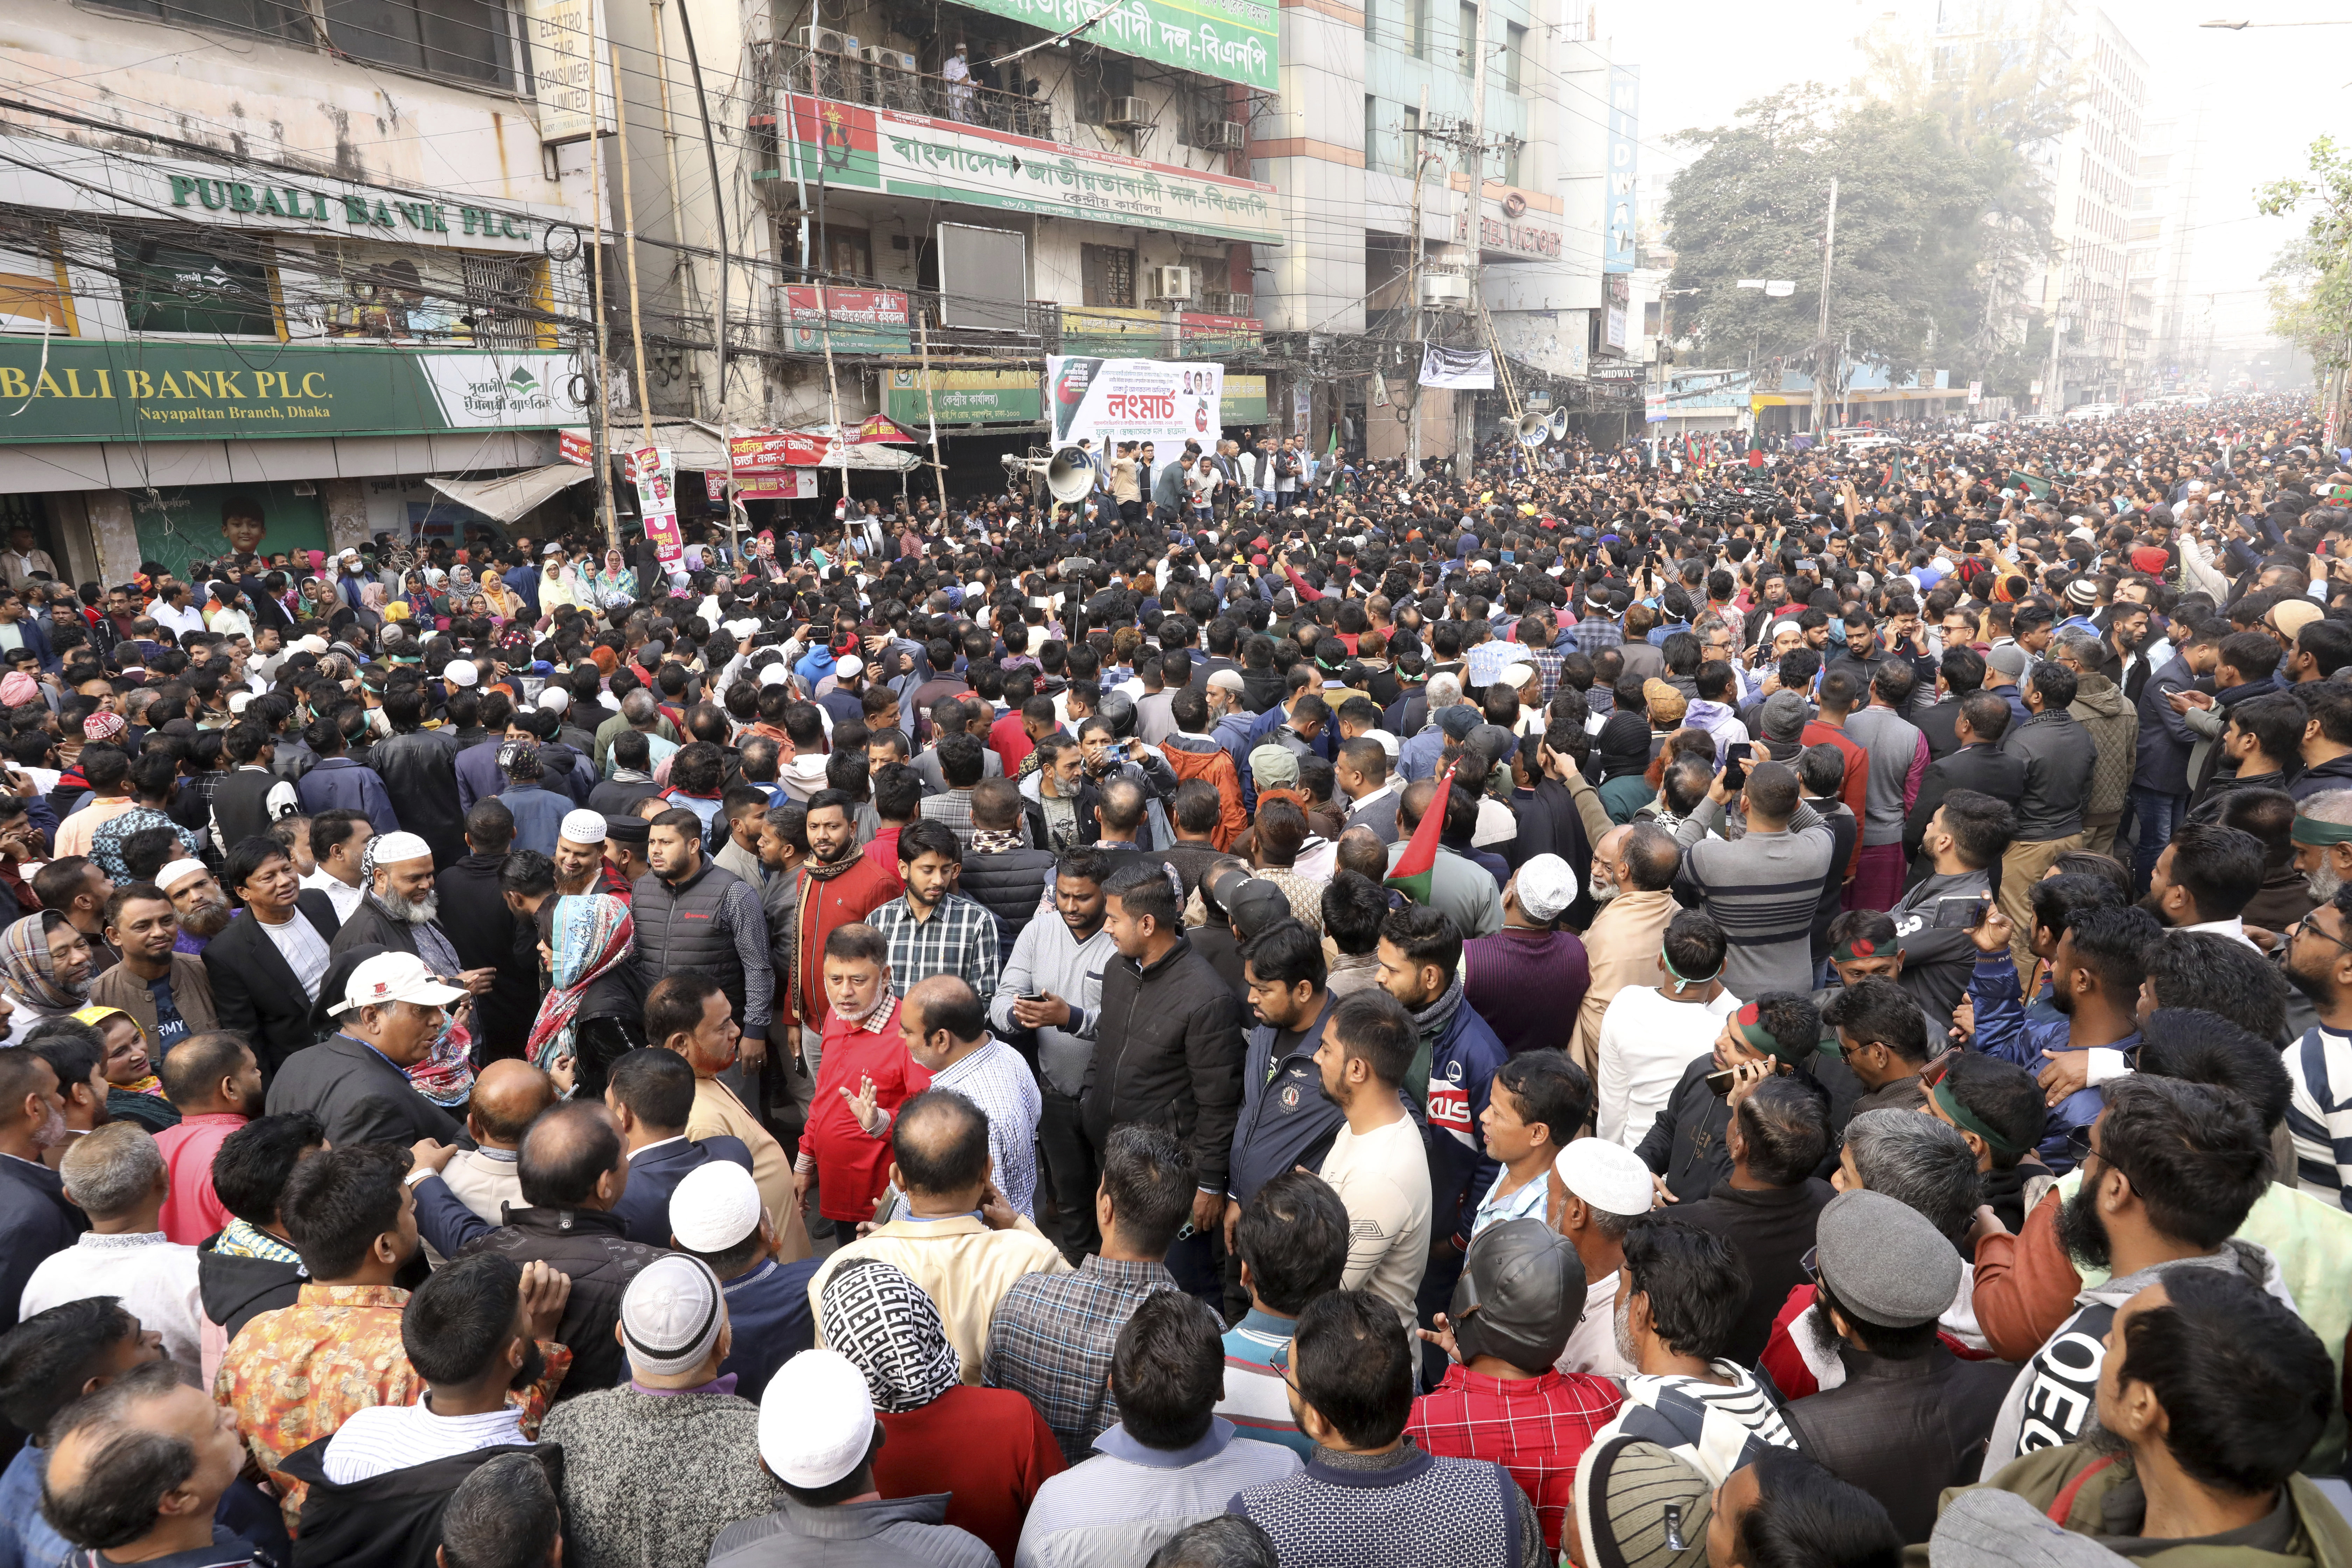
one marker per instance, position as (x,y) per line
(1821,343)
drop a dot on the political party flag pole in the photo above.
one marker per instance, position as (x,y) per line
(1415,869)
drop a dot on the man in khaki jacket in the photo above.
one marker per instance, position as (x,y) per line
(143,925)
(1638,861)
(953,1232)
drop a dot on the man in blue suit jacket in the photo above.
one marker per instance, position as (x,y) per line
(650,1093)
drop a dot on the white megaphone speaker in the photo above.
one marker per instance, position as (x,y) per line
(1560,425)
(1534,430)
(1069,477)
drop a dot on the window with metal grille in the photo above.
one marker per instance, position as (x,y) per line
(499,288)
(1108,273)
(468,38)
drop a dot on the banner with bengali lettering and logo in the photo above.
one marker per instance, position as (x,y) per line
(1164,401)
(963,397)
(849,146)
(1232,40)
(862,320)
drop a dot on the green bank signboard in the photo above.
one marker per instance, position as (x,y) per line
(965,398)
(143,389)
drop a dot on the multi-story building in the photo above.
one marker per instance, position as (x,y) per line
(2104,349)
(265,268)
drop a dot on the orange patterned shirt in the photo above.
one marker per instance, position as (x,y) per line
(293,1375)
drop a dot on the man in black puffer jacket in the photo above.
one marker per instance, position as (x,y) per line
(419,769)
(573,1168)
(1167,1051)
(1001,872)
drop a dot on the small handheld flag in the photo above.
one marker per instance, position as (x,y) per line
(1415,869)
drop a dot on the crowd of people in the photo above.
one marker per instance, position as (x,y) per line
(1645,1005)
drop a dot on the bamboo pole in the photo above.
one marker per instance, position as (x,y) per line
(629,244)
(601,426)
(931,413)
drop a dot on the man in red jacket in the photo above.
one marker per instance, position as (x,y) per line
(838,887)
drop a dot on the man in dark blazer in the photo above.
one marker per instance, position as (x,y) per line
(356,1083)
(34,1218)
(1980,763)
(650,1095)
(1362,772)
(1963,671)
(257,991)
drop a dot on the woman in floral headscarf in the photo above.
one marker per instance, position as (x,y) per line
(615,584)
(890,1331)
(504,602)
(46,969)
(596,1007)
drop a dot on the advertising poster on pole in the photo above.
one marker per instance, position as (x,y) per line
(654,470)
(1112,400)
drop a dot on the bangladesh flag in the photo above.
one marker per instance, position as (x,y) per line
(1415,869)
(1755,448)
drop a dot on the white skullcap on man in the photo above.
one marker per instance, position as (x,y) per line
(394,847)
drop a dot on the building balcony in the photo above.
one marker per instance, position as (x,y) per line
(886,78)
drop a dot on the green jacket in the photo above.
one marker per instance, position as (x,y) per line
(2325,1540)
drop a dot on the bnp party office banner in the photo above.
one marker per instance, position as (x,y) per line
(862,320)
(152,390)
(1113,332)
(1232,40)
(1213,337)
(964,397)
(1468,369)
(850,147)
(1156,400)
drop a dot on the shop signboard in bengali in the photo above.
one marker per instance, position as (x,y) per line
(963,397)
(792,484)
(1232,40)
(144,389)
(847,146)
(1218,336)
(775,451)
(655,472)
(862,320)
(576,446)
(1244,401)
(1113,332)
(1164,401)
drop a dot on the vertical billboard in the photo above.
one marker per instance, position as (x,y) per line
(1624,148)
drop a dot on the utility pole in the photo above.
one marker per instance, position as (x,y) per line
(599,425)
(629,248)
(2051,403)
(1465,430)
(1413,288)
(1822,339)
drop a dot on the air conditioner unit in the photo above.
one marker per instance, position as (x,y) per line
(1215,303)
(1171,283)
(888,59)
(1440,290)
(1125,113)
(1224,136)
(824,41)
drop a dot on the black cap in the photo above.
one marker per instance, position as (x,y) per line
(628,829)
(1520,1295)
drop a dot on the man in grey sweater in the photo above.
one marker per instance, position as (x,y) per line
(1763,887)
(1899,760)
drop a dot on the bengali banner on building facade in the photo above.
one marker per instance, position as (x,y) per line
(964,397)
(1111,400)
(850,146)
(1232,40)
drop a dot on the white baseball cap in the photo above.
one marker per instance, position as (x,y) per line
(390,977)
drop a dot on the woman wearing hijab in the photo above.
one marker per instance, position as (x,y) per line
(615,584)
(988,1448)
(558,584)
(46,969)
(133,1091)
(596,1007)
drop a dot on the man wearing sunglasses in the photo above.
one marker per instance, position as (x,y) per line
(2168,1174)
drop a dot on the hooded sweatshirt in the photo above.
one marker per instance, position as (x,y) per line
(1717,721)
(2055,1397)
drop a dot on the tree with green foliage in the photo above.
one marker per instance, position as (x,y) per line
(2311,281)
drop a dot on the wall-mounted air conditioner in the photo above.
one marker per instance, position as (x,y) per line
(1224,136)
(1125,113)
(1441,290)
(1171,283)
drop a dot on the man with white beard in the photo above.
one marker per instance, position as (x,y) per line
(1632,872)
(401,913)
(2323,841)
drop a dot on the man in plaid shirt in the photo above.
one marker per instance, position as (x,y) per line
(1520,1297)
(1599,627)
(929,930)
(1053,1335)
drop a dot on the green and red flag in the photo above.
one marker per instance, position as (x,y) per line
(1415,869)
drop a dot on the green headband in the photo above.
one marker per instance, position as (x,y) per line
(2310,830)
(1967,1122)
(1682,980)
(1855,950)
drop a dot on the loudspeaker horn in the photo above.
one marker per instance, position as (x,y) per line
(1560,425)
(1534,430)
(1069,477)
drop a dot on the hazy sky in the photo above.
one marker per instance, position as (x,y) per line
(2268,91)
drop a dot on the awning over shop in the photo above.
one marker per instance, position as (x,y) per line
(867,455)
(511,498)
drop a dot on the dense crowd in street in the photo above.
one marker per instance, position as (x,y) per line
(1730,1001)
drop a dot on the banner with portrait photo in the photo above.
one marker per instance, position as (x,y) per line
(1467,369)
(1165,402)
